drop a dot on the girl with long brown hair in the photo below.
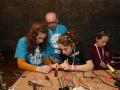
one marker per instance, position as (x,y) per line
(30,49)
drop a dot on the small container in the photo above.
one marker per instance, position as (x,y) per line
(55,73)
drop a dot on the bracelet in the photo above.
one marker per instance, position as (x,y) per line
(75,68)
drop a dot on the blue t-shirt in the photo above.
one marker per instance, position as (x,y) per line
(22,52)
(52,47)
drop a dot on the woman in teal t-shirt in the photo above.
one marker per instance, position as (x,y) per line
(30,49)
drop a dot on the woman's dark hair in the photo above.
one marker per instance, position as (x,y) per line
(31,37)
(68,38)
(100,34)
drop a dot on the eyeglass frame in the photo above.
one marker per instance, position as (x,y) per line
(49,23)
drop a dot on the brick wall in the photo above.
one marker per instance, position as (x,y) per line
(84,16)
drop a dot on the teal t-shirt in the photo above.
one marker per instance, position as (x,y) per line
(53,48)
(22,52)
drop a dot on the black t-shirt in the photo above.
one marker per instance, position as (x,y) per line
(80,55)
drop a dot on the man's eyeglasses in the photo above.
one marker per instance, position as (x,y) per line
(49,23)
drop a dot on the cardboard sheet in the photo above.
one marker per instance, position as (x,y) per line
(87,77)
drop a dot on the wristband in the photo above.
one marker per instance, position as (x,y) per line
(75,68)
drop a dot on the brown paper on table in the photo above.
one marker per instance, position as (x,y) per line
(22,83)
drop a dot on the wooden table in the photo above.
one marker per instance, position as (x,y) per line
(88,77)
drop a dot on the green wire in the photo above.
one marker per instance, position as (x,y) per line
(51,83)
(47,78)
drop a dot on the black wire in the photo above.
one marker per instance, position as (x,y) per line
(46,86)
(112,76)
(107,83)
(96,76)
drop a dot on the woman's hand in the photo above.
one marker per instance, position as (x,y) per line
(65,66)
(103,65)
(55,66)
(43,69)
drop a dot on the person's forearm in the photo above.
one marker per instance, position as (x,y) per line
(22,64)
(85,67)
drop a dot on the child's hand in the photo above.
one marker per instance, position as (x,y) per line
(65,65)
(55,66)
(103,65)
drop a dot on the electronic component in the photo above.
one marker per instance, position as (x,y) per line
(61,84)
(60,81)
(117,83)
(83,82)
(113,71)
(55,73)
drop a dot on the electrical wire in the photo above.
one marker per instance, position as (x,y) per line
(97,76)
(39,85)
(111,75)
(47,78)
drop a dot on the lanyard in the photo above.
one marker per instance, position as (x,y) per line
(73,57)
(99,53)
(52,34)
(73,60)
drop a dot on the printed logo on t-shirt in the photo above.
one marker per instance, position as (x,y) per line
(54,39)
(76,53)
(107,54)
(75,58)
(35,59)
